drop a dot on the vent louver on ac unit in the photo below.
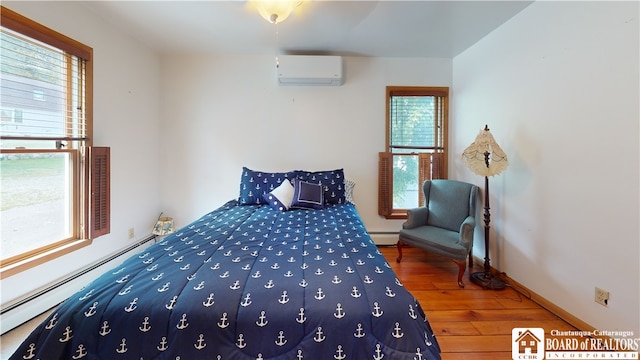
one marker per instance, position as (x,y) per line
(309,70)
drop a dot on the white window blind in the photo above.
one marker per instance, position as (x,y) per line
(42,90)
(415,121)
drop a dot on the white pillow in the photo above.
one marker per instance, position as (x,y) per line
(280,198)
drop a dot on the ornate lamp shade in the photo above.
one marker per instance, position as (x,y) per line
(484,156)
(164,226)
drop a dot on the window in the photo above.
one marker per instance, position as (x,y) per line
(45,157)
(416,147)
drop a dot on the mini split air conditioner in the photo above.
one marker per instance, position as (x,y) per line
(309,70)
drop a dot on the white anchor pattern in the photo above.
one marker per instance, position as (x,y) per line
(250,280)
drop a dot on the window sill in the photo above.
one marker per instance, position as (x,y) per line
(397,215)
(14,267)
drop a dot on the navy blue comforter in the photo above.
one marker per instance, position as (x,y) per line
(245,282)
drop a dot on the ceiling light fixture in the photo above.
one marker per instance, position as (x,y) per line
(275,11)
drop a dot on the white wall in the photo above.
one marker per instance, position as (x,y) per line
(126,109)
(558,87)
(223,113)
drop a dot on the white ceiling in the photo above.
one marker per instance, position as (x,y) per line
(362,28)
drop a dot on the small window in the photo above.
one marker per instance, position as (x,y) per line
(416,147)
(38,95)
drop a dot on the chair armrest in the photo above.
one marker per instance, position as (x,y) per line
(416,217)
(466,231)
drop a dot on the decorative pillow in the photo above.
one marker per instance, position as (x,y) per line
(254,184)
(348,190)
(307,195)
(280,198)
(332,182)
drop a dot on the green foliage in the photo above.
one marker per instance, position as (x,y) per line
(29,60)
(413,121)
(405,174)
(412,125)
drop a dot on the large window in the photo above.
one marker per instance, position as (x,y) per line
(45,129)
(416,147)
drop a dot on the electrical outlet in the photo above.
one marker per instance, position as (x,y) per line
(132,233)
(602,297)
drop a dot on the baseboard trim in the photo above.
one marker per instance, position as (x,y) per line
(538,299)
(384,238)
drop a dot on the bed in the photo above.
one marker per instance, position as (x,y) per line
(264,276)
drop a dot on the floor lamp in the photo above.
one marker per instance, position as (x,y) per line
(485,158)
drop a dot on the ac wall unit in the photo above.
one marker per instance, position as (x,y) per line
(309,70)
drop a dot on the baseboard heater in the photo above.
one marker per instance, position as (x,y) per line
(384,237)
(16,313)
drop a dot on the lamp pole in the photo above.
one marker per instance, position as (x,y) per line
(486,279)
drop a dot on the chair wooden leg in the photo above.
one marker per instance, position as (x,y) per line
(470,259)
(399,246)
(461,268)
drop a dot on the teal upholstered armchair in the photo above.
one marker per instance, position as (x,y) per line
(445,225)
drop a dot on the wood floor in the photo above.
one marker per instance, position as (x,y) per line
(470,323)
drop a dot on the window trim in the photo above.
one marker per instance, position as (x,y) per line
(30,259)
(437,160)
(18,23)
